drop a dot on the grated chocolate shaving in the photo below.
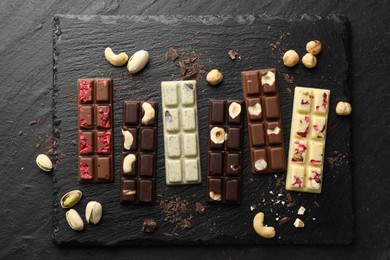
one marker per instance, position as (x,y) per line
(284,220)
(288,78)
(175,211)
(199,208)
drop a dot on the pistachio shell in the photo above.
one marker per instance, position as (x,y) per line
(71,198)
(74,220)
(93,212)
(44,163)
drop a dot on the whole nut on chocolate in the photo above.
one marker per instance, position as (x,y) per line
(290,58)
(44,163)
(214,77)
(74,220)
(255,109)
(215,196)
(128,163)
(314,47)
(71,198)
(138,61)
(309,60)
(217,135)
(343,108)
(128,139)
(115,59)
(258,225)
(234,110)
(93,212)
(149,113)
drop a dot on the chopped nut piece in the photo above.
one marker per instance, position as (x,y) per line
(260,164)
(301,210)
(254,110)
(299,223)
(215,196)
(234,110)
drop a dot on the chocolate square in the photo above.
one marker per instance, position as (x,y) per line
(146,162)
(215,161)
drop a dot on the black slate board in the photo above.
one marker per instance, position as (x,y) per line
(79,42)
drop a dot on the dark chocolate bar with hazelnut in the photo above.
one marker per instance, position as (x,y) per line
(139,147)
(224,168)
(95,144)
(264,121)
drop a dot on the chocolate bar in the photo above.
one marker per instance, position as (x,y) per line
(95,145)
(139,147)
(264,121)
(224,169)
(181,141)
(307,140)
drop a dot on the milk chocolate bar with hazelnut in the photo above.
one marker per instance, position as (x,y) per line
(224,168)
(95,145)
(307,140)
(139,147)
(264,121)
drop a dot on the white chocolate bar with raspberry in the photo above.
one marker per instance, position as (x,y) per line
(307,140)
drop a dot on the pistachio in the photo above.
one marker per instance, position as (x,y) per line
(138,61)
(71,198)
(74,220)
(93,212)
(234,109)
(44,163)
(217,135)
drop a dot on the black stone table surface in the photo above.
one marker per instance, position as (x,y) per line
(26,194)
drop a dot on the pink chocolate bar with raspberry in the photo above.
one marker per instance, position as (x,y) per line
(95,145)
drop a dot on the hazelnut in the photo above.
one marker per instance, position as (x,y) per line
(309,60)
(268,78)
(234,109)
(290,58)
(217,135)
(313,47)
(214,77)
(255,109)
(260,164)
(215,196)
(343,108)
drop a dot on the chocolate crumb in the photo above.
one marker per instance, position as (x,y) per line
(34,122)
(284,220)
(149,226)
(199,208)
(288,78)
(234,54)
(20,133)
(37,146)
(337,159)
(316,204)
(74,142)
(289,91)
(288,34)
(175,211)
(171,55)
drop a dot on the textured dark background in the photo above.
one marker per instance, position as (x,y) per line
(79,45)
(26,76)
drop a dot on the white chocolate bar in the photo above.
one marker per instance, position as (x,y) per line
(307,140)
(181,139)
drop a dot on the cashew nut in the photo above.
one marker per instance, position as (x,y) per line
(258,225)
(138,61)
(128,139)
(114,59)
(149,113)
(128,163)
